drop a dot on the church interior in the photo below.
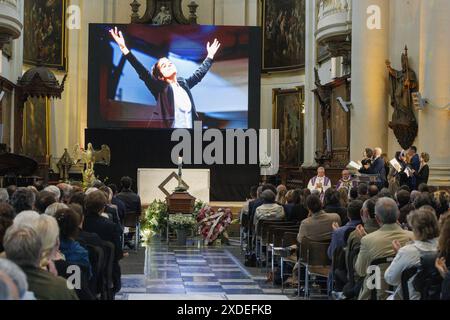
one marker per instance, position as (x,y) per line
(224,150)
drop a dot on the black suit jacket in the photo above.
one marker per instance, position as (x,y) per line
(106,230)
(163,92)
(251,211)
(422,175)
(131,200)
(121,209)
(377,167)
(89,238)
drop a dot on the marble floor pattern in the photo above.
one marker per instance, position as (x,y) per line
(195,273)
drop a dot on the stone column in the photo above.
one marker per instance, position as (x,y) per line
(310,100)
(370,88)
(434,82)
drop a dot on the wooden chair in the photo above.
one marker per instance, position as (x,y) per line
(313,257)
(385,289)
(288,239)
(275,240)
(132,221)
(263,237)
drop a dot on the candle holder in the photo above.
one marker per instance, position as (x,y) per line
(181,186)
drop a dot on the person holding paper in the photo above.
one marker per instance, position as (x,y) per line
(320,182)
(397,176)
(414,164)
(367,161)
(377,167)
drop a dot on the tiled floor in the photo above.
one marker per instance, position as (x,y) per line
(194,273)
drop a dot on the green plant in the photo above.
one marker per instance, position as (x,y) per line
(155,220)
(197,207)
(182,221)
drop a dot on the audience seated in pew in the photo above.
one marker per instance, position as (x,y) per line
(23,246)
(378,244)
(72,228)
(46,244)
(379,227)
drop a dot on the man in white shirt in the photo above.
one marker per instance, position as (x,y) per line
(319,182)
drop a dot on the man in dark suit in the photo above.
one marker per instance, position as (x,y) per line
(377,167)
(132,203)
(252,206)
(131,200)
(107,230)
(414,164)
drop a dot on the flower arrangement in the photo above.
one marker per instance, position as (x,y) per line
(155,220)
(213,224)
(181,221)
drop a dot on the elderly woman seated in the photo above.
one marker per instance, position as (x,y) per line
(425,227)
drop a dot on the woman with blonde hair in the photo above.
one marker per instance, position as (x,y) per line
(51,209)
(281,194)
(47,229)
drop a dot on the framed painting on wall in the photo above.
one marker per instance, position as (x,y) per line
(283,23)
(45,33)
(288,118)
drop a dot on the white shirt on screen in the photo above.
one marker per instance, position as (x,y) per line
(183,108)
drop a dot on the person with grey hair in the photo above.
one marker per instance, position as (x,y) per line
(269,210)
(424,225)
(414,194)
(18,277)
(385,193)
(4,196)
(321,182)
(55,191)
(26,219)
(23,246)
(378,244)
(23,199)
(66,192)
(369,225)
(51,209)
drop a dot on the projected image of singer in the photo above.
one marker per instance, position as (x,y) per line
(172,93)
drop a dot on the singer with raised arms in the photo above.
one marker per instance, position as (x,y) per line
(172,93)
